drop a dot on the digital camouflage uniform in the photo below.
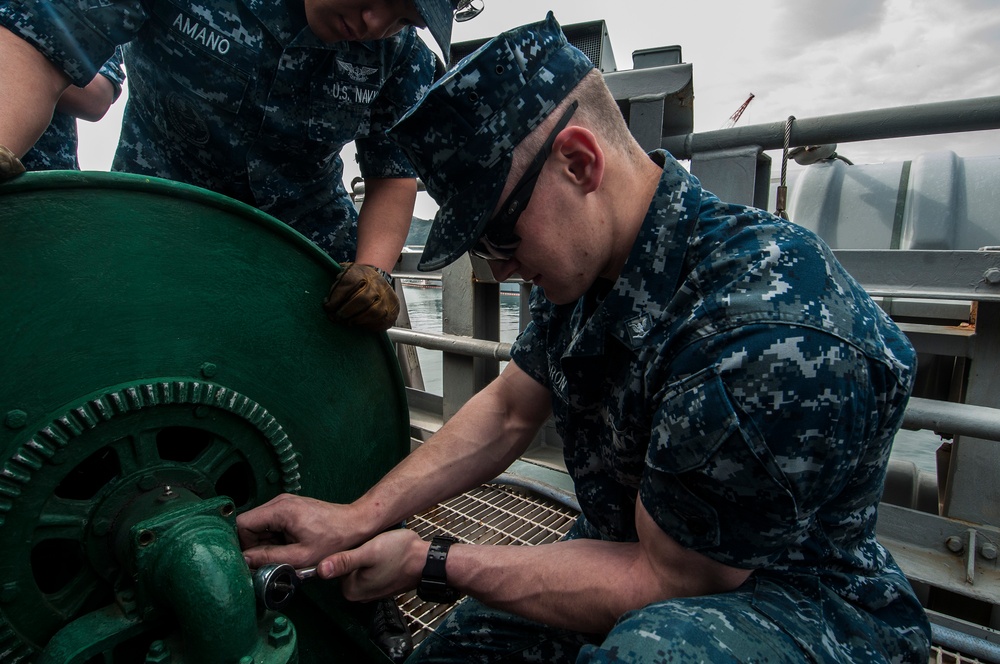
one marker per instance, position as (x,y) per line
(739,381)
(56,149)
(734,377)
(239,96)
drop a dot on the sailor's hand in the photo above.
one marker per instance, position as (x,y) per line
(363,297)
(10,165)
(384,566)
(296,530)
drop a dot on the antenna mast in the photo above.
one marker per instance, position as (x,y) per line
(734,118)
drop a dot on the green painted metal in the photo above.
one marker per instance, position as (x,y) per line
(183,555)
(187,558)
(156,334)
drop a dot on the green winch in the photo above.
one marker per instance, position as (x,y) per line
(166,365)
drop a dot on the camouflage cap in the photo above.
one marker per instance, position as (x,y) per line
(438,15)
(460,137)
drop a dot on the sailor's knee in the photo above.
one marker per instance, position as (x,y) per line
(645,637)
(714,630)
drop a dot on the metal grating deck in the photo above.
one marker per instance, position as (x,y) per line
(490,514)
(942,656)
(499,514)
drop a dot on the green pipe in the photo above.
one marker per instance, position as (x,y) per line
(198,572)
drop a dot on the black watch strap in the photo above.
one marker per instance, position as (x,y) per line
(385,275)
(434,582)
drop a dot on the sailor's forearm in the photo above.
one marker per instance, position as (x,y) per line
(474,446)
(384,220)
(90,103)
(31,87)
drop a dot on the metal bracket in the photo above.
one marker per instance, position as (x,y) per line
(927,548)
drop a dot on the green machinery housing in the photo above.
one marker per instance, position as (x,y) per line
(166,365)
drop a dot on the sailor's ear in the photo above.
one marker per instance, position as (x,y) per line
(580,156)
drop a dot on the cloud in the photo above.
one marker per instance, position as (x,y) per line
(821,20)
(976,5)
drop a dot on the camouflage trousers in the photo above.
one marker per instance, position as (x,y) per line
(754,623)
(714,629)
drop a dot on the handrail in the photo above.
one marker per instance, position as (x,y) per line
(452,343)
(916,120)
(949,417)
(941,416)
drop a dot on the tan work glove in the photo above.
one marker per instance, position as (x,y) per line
(362,296)
(10,165)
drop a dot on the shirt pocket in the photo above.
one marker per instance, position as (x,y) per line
(207,64)
(341,101)
(710,480)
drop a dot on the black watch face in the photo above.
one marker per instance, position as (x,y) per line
(436,591)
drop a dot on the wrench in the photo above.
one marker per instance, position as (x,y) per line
(275,584)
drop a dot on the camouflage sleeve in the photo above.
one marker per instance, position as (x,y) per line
(408,81)
(77,36)
(114,71)
(528,354)
(745,452)
(55,150)
(529,350)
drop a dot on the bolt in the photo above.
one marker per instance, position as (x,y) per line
(208,370)
(281,632)
(246,659)
(954,544)
(992,275)
(167,495)
(989,551)
(16,419)
(201,411)
(126,601)
(158,652)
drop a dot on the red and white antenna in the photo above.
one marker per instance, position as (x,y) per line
(734,118)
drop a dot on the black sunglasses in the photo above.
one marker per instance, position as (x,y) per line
(499,242)
(466,10)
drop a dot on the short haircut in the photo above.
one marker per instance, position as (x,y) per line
(598,111)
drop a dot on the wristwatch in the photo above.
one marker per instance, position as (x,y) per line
(434,582)
(382,273)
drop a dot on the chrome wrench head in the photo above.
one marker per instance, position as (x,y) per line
(274,585)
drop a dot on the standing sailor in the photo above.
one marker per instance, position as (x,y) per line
(254,100)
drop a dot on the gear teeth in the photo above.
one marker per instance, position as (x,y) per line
(12,650)
(34,455)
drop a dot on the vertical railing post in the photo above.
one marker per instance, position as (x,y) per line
(470,308)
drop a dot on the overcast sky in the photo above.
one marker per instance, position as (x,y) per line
(805,58)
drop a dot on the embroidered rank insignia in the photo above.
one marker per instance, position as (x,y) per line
(357,73)
(638,328)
